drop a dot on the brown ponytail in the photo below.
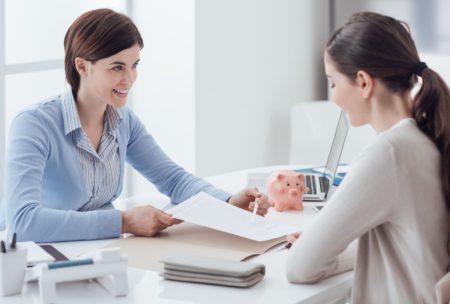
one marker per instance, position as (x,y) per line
(431,110)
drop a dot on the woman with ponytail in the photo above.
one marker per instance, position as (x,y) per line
(395,200)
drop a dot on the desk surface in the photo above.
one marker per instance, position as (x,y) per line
(149,287)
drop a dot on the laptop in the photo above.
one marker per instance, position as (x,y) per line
(320,181)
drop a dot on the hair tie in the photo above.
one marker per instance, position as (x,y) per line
(419,67)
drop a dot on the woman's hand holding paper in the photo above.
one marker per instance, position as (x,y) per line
(146,221)
(246,199)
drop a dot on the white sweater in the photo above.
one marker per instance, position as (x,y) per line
(392,200)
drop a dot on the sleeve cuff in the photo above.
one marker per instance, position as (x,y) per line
(109,224)
(219,194)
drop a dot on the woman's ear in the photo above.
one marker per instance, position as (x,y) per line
(365,82)
(81,66)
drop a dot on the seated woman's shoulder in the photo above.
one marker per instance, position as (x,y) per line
(51,104)
(47,111)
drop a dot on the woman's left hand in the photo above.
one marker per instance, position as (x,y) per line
(291,238)
(246,199)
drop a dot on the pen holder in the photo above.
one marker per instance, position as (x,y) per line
(13,265)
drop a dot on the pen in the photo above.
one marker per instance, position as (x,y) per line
(13,243)
(3,247)
(255,208)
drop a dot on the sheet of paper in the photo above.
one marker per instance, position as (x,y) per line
(205,210)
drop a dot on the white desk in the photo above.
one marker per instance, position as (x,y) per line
(149,287)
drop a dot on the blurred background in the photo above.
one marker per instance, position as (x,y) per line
(217,78)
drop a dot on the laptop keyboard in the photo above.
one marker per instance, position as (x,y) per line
(310,182)
(324,184)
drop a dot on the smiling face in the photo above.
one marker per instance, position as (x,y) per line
(109,80)
(347,94)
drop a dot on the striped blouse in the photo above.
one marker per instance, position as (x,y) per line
(55,178)
(101,170)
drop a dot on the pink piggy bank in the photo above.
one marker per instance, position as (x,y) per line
(285,190)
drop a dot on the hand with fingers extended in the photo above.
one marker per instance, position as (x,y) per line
(146,221)
(247,198)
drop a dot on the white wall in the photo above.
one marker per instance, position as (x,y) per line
(254,59)
(164,94)
(217,78)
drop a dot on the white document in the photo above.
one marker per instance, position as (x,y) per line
(205,210)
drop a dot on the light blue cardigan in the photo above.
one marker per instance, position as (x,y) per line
(44,186)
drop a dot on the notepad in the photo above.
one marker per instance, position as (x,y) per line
(206,270)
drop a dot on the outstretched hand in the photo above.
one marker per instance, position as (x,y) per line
(146,221)
(247,198)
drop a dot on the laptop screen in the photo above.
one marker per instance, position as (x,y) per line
(337,146)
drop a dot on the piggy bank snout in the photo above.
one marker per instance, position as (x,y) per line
(294,192)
